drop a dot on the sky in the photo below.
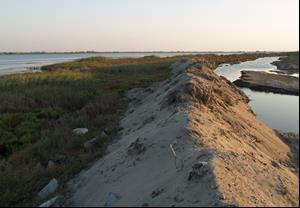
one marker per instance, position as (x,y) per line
(149,25)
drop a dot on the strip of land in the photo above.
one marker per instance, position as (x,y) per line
(266,82)
(55,123)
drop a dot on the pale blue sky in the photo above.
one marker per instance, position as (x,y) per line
(143,25)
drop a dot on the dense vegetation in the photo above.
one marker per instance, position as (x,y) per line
(38,112)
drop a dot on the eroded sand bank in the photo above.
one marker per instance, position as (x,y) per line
(263,81)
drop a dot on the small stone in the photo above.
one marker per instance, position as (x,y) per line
(199,170)
(80,131)
(48,189)
(281,189)
(228,168)
(136,147)
(61,158)
(111,199)
(156,193)
(178,199)
(221,196)
(145,205)
(90,144)
(275,164)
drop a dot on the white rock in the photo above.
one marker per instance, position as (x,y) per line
(54,202)
(111,199)
(48,189)
(80,131)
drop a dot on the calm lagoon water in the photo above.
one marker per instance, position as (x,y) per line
(10,64)
(278,111)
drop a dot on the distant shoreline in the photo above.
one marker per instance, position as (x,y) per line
(87,54)
(113,53)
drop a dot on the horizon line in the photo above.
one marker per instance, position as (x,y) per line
(152,51)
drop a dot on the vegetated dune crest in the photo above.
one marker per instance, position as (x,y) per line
(191,140)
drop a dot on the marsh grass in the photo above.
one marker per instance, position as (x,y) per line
(39,110)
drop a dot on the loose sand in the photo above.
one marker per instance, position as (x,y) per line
(191,140)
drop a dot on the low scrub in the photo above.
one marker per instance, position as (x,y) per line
(38,112)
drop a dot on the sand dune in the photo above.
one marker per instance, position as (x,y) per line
(191,140)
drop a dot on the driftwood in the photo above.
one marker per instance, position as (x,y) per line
(178,162)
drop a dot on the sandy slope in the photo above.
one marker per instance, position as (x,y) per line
(224,155)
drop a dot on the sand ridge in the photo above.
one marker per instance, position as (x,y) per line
(191,140)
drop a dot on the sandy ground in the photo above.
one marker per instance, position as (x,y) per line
(191,140)
(263,81)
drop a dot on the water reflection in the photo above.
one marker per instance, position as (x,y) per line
(278,111)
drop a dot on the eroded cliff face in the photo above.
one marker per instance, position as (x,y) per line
(191,140)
